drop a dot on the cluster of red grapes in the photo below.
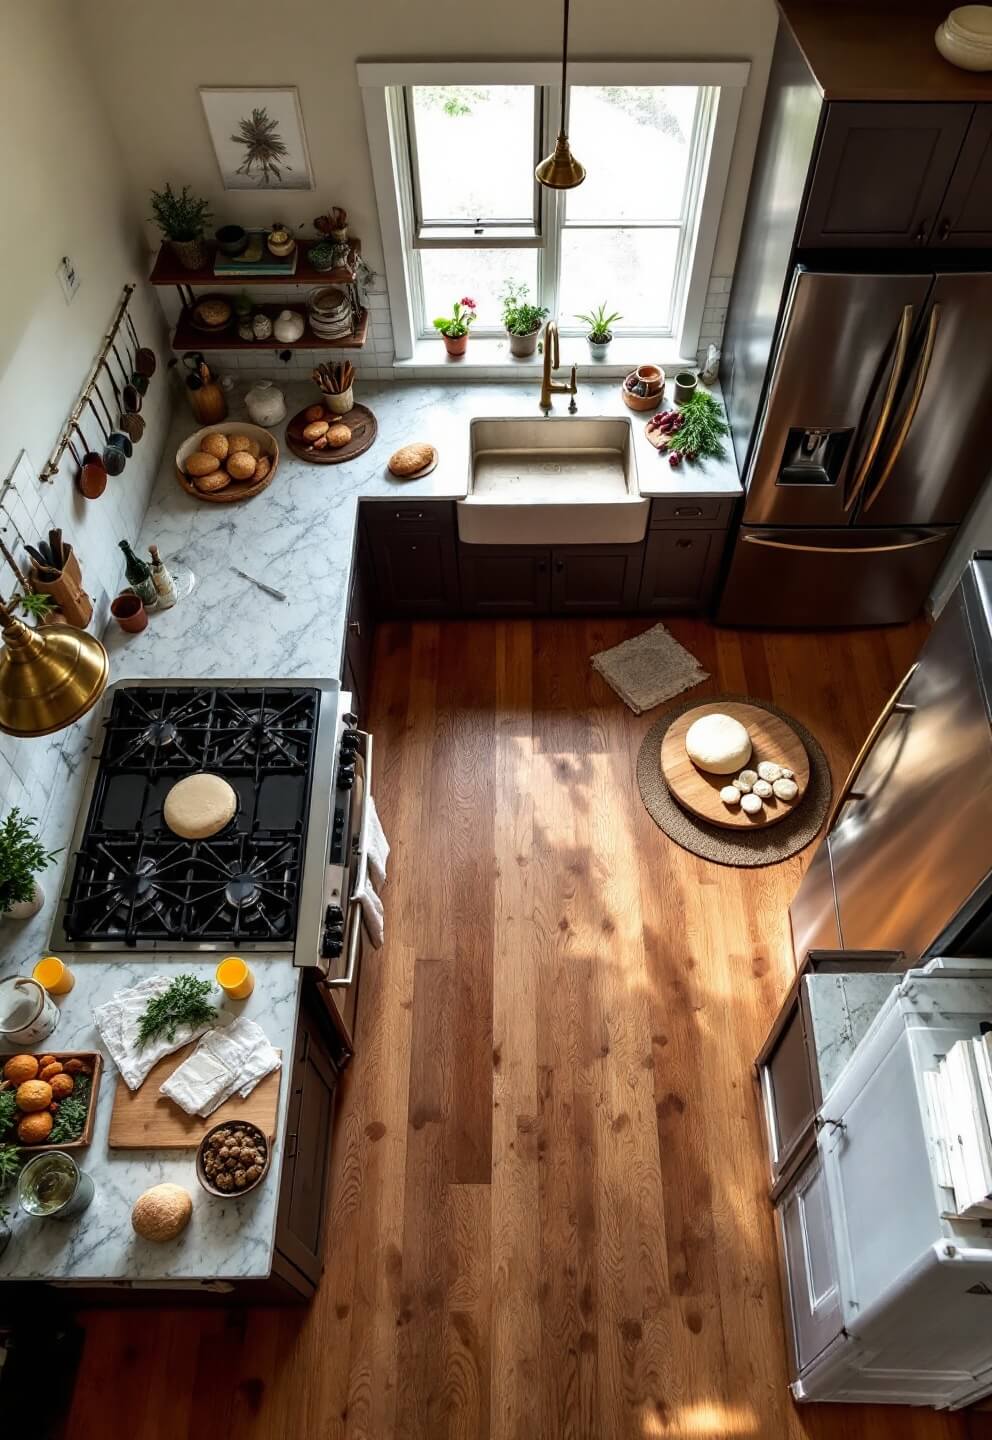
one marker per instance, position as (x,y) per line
(669,423)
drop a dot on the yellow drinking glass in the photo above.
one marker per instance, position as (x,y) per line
(234,978)
(55,976)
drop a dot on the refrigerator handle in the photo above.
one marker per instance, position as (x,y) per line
(884,415)
(931,537)
(892,705)
(911,409)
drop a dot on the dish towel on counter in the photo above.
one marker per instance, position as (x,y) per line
(378,846)
(231,1059)
(118,1021)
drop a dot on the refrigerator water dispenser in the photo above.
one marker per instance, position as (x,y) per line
(814,457)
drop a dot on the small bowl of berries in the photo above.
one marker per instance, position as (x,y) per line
(233,1158)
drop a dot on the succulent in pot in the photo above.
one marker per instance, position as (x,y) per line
(521,319)
(454,328)
(22,857)
(600,331)
(183,220)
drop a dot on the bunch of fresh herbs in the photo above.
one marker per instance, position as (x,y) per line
(10,1165)
(183,1003)
(22,855)
(70,1117)
(520,317)
(8,1111)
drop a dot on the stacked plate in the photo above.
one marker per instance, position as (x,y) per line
(330,313)
(965,37)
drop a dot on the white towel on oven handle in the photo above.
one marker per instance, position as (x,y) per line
(377,846)
(372,911)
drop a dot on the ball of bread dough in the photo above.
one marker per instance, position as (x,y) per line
(769,771)
(762,789)
(199,806)
(730,795)
(752,804)
(718,743)
(786,789)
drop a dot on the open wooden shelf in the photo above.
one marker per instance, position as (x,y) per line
(189,337)
(168,271)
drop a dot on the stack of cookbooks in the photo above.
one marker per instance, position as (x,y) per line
(959,1099)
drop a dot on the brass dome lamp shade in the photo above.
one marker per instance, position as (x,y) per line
(560,170)
(48,677)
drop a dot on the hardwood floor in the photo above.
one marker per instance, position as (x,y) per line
(549,1214)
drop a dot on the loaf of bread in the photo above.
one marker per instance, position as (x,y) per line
(338,435)
(215,481)
(200,463)
(411,458)
(241,466)
(215,444)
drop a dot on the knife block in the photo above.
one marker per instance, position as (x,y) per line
(67,591)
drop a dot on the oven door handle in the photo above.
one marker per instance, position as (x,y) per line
(354,925)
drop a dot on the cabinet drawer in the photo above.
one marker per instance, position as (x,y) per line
(810,1264)
(707,512)
(402,518)
(680,568)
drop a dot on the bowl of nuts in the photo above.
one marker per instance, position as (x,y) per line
(233,1158)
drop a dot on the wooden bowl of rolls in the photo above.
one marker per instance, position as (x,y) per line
(227,462)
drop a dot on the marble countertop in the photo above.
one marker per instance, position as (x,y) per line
(298,535)
(841,1008)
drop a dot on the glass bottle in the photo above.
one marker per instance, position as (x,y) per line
(139,576)
(165,586)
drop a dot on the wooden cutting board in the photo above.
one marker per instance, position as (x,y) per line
(699,790)
(143,1119)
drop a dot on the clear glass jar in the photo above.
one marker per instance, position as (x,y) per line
(52,1187)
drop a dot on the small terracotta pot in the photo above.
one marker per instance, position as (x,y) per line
(129,612)
(455,344)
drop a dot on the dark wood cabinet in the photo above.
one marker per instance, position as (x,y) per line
(680,569)
(595,579)
(303,1194)
(882,172)
(413,557)
(356,672)
(966,214)
(499,580)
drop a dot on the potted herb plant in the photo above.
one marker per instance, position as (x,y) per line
(454,327)
(22,856)
(183,220)
(600,330)
(521,319)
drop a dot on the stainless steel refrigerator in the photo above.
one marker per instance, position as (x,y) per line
(906,865)
(873,440)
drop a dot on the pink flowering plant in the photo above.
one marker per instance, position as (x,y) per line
(456,324)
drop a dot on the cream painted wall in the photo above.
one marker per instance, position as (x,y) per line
(63,190)
(160,55)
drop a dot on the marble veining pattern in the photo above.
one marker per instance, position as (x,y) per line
(841,1009)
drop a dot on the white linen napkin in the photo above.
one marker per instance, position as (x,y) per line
(372,912)
(118,1019)
(377,845)
(232,1058)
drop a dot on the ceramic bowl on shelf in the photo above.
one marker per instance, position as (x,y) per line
(231,239)
(965,37)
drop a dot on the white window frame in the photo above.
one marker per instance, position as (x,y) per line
(382,85)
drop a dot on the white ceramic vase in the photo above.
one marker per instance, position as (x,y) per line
(24,909)
(266,404)
(289,326)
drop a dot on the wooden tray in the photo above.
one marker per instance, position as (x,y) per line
(357,415)
(238,489)
(143,1119)
(92,1057)
(699,791)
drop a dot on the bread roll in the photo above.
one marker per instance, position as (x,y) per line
(262,467)
(411,458)
(216,481)
(254,449)
(162,1212)
(238,442)
(199,806)
(200,463)
(338,435)
(215,444)
(315,429)
(35,1128)
(241,466)
(314,412)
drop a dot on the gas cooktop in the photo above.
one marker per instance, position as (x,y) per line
(134,883)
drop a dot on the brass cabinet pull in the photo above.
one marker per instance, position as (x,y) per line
(843,549)
(898,362)
(873,734)
(355,628)
(911,409)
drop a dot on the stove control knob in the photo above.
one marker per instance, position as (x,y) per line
(333,915)
(346,776)
(351,740)
(331,946)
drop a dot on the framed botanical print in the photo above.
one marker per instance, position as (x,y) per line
(258,137)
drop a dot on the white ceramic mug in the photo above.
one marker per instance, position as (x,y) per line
(28,1014)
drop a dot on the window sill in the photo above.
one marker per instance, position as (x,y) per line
(490,358)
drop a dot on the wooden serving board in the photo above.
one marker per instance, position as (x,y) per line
(358,416)
(143,1119)
(699,791)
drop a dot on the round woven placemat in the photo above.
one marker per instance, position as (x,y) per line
(733,847)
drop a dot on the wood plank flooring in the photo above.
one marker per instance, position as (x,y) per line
(549,1215)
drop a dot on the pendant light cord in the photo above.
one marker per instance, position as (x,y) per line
(564,67)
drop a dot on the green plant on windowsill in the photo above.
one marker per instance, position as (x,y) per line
(22,856)
(600,325)
(520,317)
(37,605)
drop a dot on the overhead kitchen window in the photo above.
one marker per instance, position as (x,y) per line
(454,149)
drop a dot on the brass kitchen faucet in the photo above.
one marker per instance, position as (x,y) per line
(552,359)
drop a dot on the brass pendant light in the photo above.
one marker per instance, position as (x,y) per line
(48,677)
(560,170)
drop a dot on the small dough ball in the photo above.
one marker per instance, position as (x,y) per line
(241,465)
(718,743)
(769,771)
(33,1095)
(787,774)
(748,777)
(20,1068)
(162,1212)
(200,463)
(34,1129)
(215,444)
(313,412)
(237,443)
(730,795)
(762,789)
(741,784)
(44,1060)
(62,1085)
(262,467)
(338,435)
(72,1067)
(48,1072)
(786,789)
(199,806)
(752,804)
